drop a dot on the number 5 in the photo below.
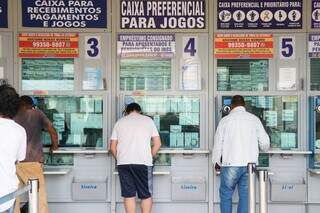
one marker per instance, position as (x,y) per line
(287,48)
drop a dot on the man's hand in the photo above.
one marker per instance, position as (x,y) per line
(217,167)
(53,147)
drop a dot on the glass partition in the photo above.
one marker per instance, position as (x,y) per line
(145,74)
(242,74)
(47,74)
(77,120)
(177,118)
(278,114)
(315,131)
(58,159)
(315,73)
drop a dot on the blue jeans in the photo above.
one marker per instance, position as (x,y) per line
(230,178)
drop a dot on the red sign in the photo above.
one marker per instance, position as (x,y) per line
(231,46)
(49,45)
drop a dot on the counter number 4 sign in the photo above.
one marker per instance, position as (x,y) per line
(92,47)
(189,45)
(287,47)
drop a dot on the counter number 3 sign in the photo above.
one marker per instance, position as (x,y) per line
(287,47)
(92,47)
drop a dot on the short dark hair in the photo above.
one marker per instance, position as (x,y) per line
(132,107)
(26,100)
(9,101)
(238,100)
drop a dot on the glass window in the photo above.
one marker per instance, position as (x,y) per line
(78,120)
(278,114)
(145,74)
(176,118)
(242,74)
(315,73)
(58,159)
(162,160)
(47,74)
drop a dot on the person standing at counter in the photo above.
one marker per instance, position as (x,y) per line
(35,121)
(12,144)
(130,146)
(237,141)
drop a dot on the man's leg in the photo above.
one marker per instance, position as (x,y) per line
(146,205)
(243,191)
(130,204)
(229,179)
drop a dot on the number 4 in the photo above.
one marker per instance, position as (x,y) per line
(190,47)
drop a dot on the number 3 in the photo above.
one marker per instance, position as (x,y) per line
(94,50)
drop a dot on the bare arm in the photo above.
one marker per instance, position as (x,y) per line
(113,148)
(156,144)
(54,137)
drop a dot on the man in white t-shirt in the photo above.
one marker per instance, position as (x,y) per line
(131,147)
(12,144)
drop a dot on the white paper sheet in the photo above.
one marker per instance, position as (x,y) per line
(287,78)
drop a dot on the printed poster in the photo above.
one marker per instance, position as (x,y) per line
(162,14)
(64,13)
(259,14)
(50,45)
(314,46)
(232,46)
(146,45)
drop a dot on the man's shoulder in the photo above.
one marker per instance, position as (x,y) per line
(18,128)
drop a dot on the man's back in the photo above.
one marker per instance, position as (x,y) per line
(239,136)
(12,148)
(134,133)
(34,122)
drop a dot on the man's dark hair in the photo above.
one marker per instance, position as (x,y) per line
(26,100)
(9,101)
(132,107)
(237,100)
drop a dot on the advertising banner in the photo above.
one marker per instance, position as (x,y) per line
(231,46)
(314,46)
(315,15)
(162,14)
(3,13)
(49,45)
(64,13)
(146,45)
(259,14)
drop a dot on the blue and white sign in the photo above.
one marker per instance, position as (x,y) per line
(259,14)
(287,47)
(64,13)
(3,13)
(315,15)
(314,46)
(162,14)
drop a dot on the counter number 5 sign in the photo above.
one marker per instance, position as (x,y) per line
(287,47)
(92,47)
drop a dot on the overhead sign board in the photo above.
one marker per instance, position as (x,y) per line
(231,46)
(259,14)
(3,13)
(146,45)
(49,45)
(64,13)
(162,14)
(315,14)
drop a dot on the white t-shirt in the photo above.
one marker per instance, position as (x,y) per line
(12,148)
(133,133)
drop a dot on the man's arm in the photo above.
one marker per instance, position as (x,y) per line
(113,148)
(54,137)
(217,147)
(263,137)
(156,144)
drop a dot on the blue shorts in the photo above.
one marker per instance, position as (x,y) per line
(135,179)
